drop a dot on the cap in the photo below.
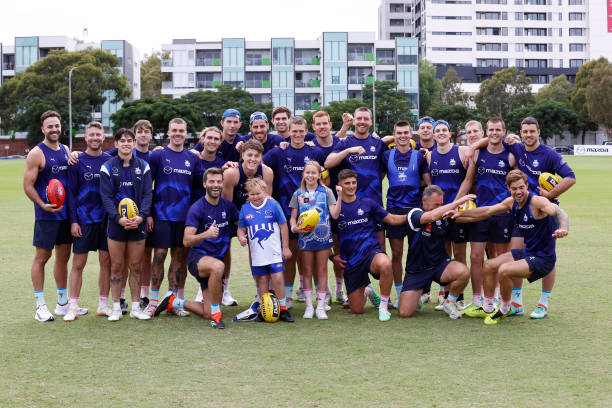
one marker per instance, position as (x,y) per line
(231,113)
(257,115)
(426,119)
(441,122)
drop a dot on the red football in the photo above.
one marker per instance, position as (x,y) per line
(56,193)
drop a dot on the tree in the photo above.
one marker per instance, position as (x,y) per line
(506,91)
(554,117)
(559,89)
(599,96)
(452,93)
(455,115)
(44,85)
(391,105)
(151,76)
(578,98)
(430,87)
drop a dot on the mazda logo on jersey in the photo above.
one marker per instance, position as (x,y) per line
(481,170)
(353,158)
(167,169)
(342,225)
(434,172)
(88,176)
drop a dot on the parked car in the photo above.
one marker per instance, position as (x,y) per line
(607,142)
(564,149)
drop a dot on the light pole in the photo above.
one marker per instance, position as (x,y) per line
(70,105)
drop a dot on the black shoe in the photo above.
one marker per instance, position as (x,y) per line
(124,306)
(285,316)
(165,304)
(144,302)
(217,324)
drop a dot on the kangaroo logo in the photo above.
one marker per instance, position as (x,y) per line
(262,235)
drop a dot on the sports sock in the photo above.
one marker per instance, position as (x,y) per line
(301,282)
(477,299)
(497,295)
(460,297)
(289,291)
(116,306)
(74,301)
(321,299)
(62,296)
(225,283)
(544,298)
(384,303)
(308,296)
(398,290)
(339,283)
(282,302)
(215,311)
(154,297)
(103,300)
(39,297)
(180,293)
(517,296)
(446,292)
(451,298)
(441,291)
(173,291)
(123,293)
(135,305)
(178,303)
(144,291)
(488,306)
(505,306)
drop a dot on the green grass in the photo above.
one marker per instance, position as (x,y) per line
(346,361)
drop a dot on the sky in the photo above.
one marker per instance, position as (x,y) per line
(149,24)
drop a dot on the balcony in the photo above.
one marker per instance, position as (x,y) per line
(166,62)
(307,83)
(207,84)
(208,62)
(8,66)
(167,85)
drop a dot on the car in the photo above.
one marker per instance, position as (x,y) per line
(564,149)
(607,142)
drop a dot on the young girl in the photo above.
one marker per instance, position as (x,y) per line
(268,239)
(314,245)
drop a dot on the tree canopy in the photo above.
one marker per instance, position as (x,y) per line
(430,87)
(505,92)
(554,117)
(452,93)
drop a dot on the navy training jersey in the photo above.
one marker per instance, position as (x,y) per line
(126,186)
(227,151)
(427,242)
(447,172)
(240,194)
(370,167)
(173,174)
(198,181)
(272,141)
(537,233)
(333,172)
(404,172)
(288,165)
(146,156)
(56,167)
(84,186)
(357,229)
(201,216)
(491,171)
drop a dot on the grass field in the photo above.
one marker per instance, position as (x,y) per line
(348,361)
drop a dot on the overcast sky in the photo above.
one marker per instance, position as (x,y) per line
(148,24)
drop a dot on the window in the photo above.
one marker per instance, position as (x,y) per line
(491,1)
(235,79)
(283,99)
(335,50)
(183,79)
(261,98)
(8,62)
(451,49)
(576,47)
(385,57)
(258,57)
(359,75)
(576,32)
(538,79)
(536,63)
(518,16)
(451,17)
(451,33)
(282,56)
(208,80)
(396,22)
(518,47)
(307,101)
(385,75)
(535,16)
(560,32)
(519,63)
(518,31)
(575,2)
(452,1)
(538,2)
(282,79)
(487,15)
(489,62)
(535,32)
(258,80)
(575,63)
(233,57)
(575,16)
(407,55)
(536,47)
(393,36)
(560,14)
(307,80)
(182,58)
(360,53)
(488,31)
(396,8)
(208,58)
(492,47)
(331,96)
(307,57)
(560,47)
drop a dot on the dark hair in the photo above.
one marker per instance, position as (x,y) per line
(212,170)
(515,175)
(402,123)
(346,173)
(123,131)
(431,190)
(530,120)
(142,124)
(50,114)
(281,109)
(496,119)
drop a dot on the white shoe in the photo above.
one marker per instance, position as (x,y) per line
(460,304)
(300,295)
(180,312)
(61,310)
(228,300)
(341,297)
(199,297)
(43,314)
(104,310)
(289,303)
(451,310)
(328,299)
(139,314)
(72,314)
(321,314)
(308,313)
(83,311)
(440,305)
(420,305)
(425,297)
(115,315)
(150,310)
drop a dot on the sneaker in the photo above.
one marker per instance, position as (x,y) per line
(374,299)
(321,314)
(228,300)
(286,316)
(425,297)
(115,315)
(308,313)
(328,298)
(179,311)
(469,308)
(540,312)
(300,295)
(477,311)
(392,305)
(144,302)
(150,310)
(72,314)
(451,309)
(289,303)
(43,314)
(124,306)
(165,304)
(104,310)
(440,305)
(139,314)
(248,315)
(516,309)
(495,317)
(61,310)
(346,304)
(420,305)
(383,315)
(341,297)
(217,324)
(460,304)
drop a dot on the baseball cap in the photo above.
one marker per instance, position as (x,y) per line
(426,119)
(257,115)
(231,113)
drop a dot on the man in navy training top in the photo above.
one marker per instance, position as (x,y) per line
(280,120)
(230,123)
(49,160)
(258,123)
(87,220)
(207,232)
(540,222)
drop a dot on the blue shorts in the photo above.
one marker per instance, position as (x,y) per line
(192,265)
(116,232)
(495,229)
(93,239)
(49,233)
(457,232)
(398,231)
(267,269)
(168,234)
(358,276)
(421,279)
(538,266)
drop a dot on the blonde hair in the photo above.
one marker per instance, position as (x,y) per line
(211,129)
(254,183)
(319,169)
(474,123)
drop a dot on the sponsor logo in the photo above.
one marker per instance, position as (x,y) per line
(306,159)
(434,172)
(268,213)
(342,225)
(168,170)
(57,169)
(358,221)
(115,171)
(481,170)
(402,177)
(137,171)
(89,176)
(126,184)
(525,218)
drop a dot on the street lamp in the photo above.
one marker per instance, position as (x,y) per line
(70,104)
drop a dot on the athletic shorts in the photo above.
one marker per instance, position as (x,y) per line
(116,232)
(267,269)
(398,231)
(168,234)
(417,280)
(457,232)
(192,265)
(538,266)
(358,276)
(93,238)
(334,225)
(49,233)
(495,229)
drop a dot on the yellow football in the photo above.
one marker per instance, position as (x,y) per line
(548,181)
(468,205)
(412,144)
(128,208)
(308,220)
(270,308)
(325,174)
